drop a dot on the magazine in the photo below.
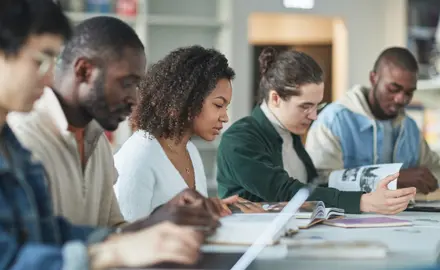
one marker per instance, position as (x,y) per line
(365,178)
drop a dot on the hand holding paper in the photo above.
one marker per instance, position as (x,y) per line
(386,201)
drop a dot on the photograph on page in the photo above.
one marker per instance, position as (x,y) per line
(363,178)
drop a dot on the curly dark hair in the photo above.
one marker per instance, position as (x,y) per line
(174,89)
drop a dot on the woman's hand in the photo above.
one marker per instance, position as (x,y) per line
(385,201)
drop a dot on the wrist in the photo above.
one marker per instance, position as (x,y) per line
(103,256)
(366,205)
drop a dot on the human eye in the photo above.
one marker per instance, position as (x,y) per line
(129,83)
(393,90)
(305,106)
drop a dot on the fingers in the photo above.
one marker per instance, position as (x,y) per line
(243,207)
(384,182)
(191,238)
(250,208)
(190,196)
(225,210)
(423,188)
(180,245)
(431,182)
(396,209)
(195,216)
(214,207)
(231,200)
(400,192)
(398,200)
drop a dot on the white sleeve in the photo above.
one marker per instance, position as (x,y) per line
(134,188)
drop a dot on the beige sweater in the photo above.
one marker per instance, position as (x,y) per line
(84,197)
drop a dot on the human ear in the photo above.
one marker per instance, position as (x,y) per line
(274,98)
(83,69)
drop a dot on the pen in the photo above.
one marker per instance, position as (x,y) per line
(201,228)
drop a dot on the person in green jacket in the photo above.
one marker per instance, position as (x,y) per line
(261,157)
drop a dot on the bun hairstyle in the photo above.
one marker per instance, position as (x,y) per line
(266,59)
(286,71)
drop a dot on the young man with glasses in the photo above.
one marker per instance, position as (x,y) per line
(31,237)
(262,158)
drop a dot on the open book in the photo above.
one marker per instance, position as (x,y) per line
(309,214)
(365,178)
(314,212)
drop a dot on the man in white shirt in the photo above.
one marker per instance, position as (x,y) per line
(94,89)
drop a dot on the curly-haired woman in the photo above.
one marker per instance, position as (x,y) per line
(185,94)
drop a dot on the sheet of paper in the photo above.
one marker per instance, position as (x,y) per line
(363,178)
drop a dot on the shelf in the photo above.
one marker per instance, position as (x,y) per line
(161,20)
(422,32)
(428,93)
(433,84)
(165,20)
(81,16)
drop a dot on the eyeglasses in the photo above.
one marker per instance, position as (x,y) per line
(45,62)
(318,107)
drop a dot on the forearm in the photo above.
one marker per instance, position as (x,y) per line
(349,201)
(71,256)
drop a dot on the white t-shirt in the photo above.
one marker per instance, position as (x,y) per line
(147,178)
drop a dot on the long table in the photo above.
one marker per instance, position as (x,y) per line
(410,247)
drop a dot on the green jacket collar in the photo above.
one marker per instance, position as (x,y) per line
(273,135)
(267,126)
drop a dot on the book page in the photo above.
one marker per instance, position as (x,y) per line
(363,178)
(334,212)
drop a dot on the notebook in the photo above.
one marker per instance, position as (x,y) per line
(368,222)
(244,229)
(276,224)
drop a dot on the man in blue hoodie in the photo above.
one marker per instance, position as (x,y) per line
(368,125)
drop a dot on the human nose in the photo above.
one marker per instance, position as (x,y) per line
(48,77)
(224,117)
(313,114)
(400,98)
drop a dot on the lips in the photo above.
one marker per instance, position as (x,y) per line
(394,109)
(218,129)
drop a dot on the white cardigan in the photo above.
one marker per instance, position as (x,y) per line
(147,178)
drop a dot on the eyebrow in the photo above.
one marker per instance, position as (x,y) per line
(397,85)
(50,52)
(222,98)
(132,77)
(400,87)
(307,104)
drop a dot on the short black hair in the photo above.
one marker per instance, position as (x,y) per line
(398,56)
(19,19)
(286,71)
(103,37)
(174,89)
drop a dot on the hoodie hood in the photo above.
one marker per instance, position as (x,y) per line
(356,101)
